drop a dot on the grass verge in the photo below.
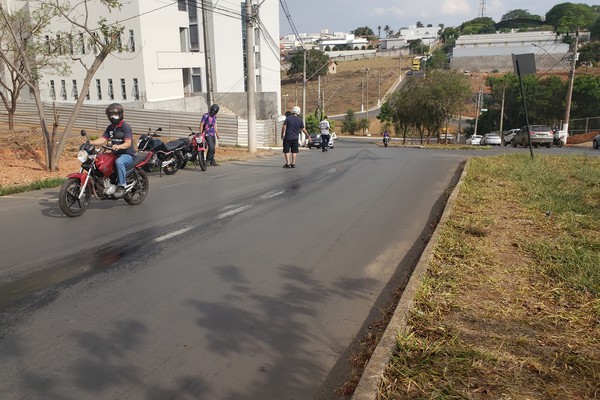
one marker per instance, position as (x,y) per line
(37,185)
(510,305)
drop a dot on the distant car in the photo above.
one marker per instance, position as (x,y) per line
(508,136)
(491,139)
(315,141)
(474,140)
(447,138)
(596,142)
(540,135)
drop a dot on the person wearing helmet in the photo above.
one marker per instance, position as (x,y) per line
(290,134)
(208,125)
(121,137)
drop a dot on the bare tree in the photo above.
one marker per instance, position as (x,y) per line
(40,53)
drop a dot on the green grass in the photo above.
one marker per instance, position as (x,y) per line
(37,185)
(510,304)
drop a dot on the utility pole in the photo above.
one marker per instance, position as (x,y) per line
(570,90)
(251,77)
(479,95)
(207,61)
(304,90)
(367,98)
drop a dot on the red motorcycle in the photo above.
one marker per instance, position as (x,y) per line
(98,176)
(196,149)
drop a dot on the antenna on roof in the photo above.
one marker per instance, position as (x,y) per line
(482,9)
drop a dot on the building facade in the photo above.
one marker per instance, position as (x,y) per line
(493,52)
(163,62)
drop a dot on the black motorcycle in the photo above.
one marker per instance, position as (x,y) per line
(168,157)
(557,140)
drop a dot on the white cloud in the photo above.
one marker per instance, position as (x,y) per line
(456,7)
(394,11)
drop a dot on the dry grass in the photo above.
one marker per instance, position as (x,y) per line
(343,90)
(510,307)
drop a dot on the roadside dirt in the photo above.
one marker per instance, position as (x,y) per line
(23,161)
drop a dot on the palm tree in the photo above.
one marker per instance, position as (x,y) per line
(379,31)
(386,29)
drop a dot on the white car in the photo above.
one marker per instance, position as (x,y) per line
(491,139)
(508,136)
(474,140)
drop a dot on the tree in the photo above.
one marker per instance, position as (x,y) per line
(478,25)
(589,53)
(438,60)
(316,63)
(386,29)
(569,17)
(363,31)
(103,36)
(586,96)
(363,124)
(419,24)
(349,124)
(519,14)
(379,31)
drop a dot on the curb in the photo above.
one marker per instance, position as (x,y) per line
(368,386)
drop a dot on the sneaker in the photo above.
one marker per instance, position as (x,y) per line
(119,192)
(292,165)
(214,163)
(287,166)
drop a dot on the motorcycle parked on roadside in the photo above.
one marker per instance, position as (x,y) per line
(168,157)
(98,177)
(195,150)
(557,140)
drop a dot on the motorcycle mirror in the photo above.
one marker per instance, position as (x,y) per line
(83,132)
(159,130)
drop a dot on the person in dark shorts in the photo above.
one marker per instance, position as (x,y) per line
(290,134)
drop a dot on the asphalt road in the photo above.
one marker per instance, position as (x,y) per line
(247,281)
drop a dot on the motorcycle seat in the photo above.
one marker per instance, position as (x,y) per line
(176,144)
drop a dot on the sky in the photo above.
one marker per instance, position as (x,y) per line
(311,16)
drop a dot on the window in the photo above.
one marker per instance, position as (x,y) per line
(181,6)
(123,90)
(63,89)
(48,43)
(59,48)
(99,89)
(194,38)
(74,90)
(71,48)
(81,44)
(196,80)
(131,42)
(119,44)
(52,90)
(111,93)
(136,90)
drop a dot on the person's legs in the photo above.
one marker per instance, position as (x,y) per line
(210,154)
(294,147)
(286,153)
(121,164)
(324,142)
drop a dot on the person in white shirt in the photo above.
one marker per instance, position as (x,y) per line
(324,128)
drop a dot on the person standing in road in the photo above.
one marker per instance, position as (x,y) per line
(208,125)
(324,127)
(290,134)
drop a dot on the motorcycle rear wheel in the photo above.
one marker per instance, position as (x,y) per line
(171,168)
(68,198)
(139,191)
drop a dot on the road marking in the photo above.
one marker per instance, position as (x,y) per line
(271,195)
(234,211)
(171,235)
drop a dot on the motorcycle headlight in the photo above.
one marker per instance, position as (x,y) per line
(82,156)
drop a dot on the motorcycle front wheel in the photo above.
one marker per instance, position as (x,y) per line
(140,190)
(202,161)
(68,198)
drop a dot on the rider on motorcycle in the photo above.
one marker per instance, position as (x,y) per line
(121,137)
(386,135)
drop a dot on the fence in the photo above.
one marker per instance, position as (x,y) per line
(233,131)
(584,125)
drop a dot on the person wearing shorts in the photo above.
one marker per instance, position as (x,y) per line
(290,134)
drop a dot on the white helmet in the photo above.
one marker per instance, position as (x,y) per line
(296,110)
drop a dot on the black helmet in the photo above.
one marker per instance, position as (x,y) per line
(114,112)
(214,109)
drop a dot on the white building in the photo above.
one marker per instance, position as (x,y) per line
(428,35)
(164,62)
(489,52)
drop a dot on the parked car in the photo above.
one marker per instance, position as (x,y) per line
(508,136)
(596,142)
(447,138)
(491,139)
(315,141)
(541,135)
(474,140)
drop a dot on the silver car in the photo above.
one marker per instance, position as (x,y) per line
(508,136)
(491,139)
(540,135)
